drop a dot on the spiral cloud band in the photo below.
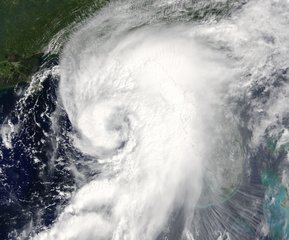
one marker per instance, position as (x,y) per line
(147,97)
(138,115)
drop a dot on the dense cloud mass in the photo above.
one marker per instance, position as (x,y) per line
(153,99)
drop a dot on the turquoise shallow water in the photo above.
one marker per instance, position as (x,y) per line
(276,213)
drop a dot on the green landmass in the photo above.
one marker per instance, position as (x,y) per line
(27,26)
(13,72)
